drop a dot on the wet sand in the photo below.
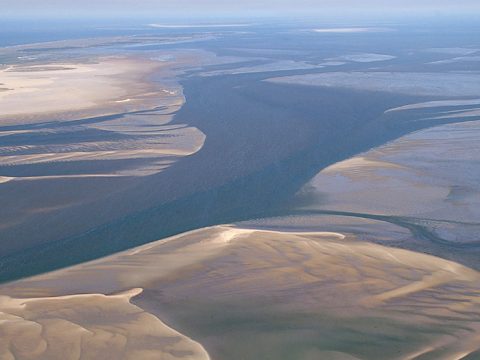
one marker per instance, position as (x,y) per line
(421,84)
(257,294)
(337,272)
(55,159)
(67,91)
(426,181)
(88,326)
(222,157)
(209,187)
(267,154)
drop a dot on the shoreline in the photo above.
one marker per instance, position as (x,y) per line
(254,189)
(70,329)
(215,267)
(100,93)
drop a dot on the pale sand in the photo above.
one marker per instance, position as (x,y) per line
(97,155)
(165,257)
(472,114)
(436,104)
(453,51)
(146,137)
(66,91)
(295,273)
(4,179)
(350,30)
(88,326)
(431,173)
(107,85)
(421,84)
(141,265)
(363,57)
(357,163)
(282,65)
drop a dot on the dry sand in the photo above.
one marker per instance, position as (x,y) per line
(84,161)
(120,85)
(432,173)
(88,326)
(272,274)
(66,91)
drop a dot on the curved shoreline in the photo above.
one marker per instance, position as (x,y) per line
(257,186)
(260,284)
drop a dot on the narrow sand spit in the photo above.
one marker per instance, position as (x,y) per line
(435,104)
(4,179)
(421,84)
(356,163)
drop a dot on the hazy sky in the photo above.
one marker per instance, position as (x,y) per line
(192,7)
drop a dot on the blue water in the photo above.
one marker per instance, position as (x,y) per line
(264,141)
(27,31)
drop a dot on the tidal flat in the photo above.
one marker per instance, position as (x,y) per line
(299,295)
(242,192)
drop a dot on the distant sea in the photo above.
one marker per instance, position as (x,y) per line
(17,32)
(27,31)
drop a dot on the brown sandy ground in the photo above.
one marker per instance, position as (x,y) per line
(46,149)
(66,90)
(427,180)
(431,173)
(88,326)
(254,294)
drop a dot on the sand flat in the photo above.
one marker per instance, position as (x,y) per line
(427,181)
(240,292)
(274,284)
(88,326)
(68,156)
(436,104)
(421,84)
(350,30)
(363,57)
(71,90)
(108,85)
(416,175)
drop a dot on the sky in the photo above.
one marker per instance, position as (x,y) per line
(232,7)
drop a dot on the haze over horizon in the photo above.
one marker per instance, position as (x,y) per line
(240,179)
(209,8)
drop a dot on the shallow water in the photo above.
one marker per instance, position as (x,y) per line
(263,141)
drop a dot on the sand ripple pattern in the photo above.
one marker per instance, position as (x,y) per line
(311,295)
(89,326)
(78,113)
